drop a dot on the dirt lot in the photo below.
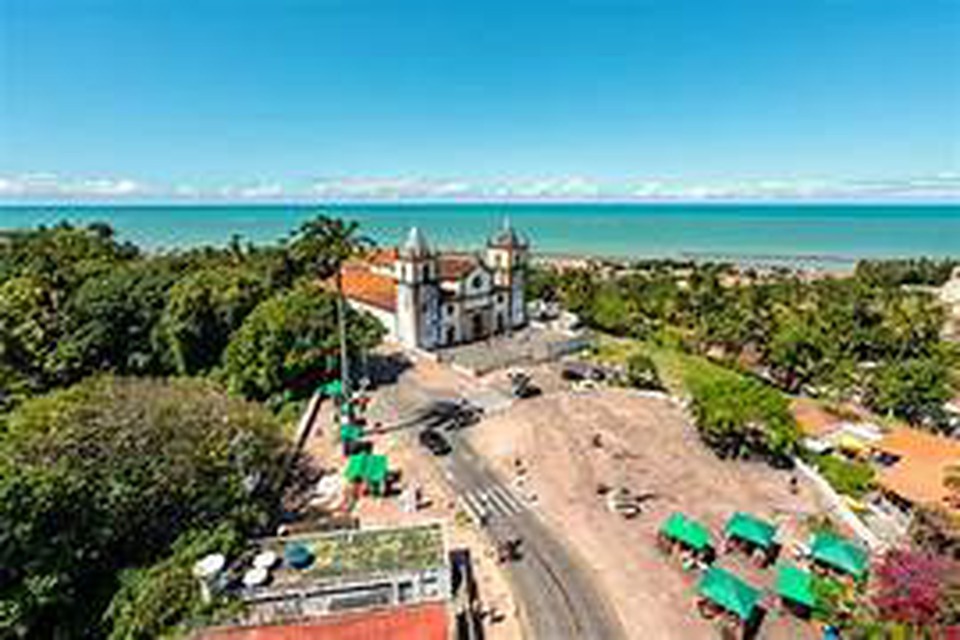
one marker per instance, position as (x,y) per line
(645,444)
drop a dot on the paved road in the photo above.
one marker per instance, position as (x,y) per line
(556,593)
(557,596)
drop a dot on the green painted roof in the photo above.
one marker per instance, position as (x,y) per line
(349,432)
(687,531)
(729,591)
(747,527)
(834,551)
(795,584)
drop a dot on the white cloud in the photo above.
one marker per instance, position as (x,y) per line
(563,188)
(49,185)
(939,186)
(261,190)
(390,188)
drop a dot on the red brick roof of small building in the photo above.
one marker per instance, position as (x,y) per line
(924,460)
(363,285)
(455,267)
(421,622)
(384,257)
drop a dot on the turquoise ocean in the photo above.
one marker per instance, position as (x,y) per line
(809,235)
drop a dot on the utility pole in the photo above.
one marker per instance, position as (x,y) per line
(342,326)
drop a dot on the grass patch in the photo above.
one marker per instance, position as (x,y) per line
(854,479)
(676,368)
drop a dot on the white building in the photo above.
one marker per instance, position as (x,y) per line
(428,299)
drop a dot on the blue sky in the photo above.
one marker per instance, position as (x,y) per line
(529,99)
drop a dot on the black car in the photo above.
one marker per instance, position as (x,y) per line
(435,443)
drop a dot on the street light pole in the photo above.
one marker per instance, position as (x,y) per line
(342,328)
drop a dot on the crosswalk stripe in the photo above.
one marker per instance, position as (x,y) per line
(504,504)
(504,501)
(492,499)
(511,497)
(476,509)
(496,502)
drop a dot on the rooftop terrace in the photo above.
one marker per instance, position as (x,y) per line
(360,553)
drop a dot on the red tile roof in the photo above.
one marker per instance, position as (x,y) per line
(924,459)
(422,622)
(363,285)
(454,267)
(383,257)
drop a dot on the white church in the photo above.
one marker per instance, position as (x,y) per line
(428,299)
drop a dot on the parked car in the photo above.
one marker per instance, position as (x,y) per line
(434,442)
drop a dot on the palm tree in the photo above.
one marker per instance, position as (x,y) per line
(320,247)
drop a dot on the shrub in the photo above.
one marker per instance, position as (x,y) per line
(642,372)
(850,478)
(737,416)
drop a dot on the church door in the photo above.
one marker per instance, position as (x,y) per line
(478,328)
(500,323)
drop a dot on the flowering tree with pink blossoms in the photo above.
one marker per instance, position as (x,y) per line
(910,587)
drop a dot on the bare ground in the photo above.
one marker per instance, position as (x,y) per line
(648,446)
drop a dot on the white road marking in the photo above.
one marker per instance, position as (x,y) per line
(497,499)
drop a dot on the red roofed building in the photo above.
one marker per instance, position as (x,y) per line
(427,299)
(421,622)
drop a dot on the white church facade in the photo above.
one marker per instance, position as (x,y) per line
(428,299)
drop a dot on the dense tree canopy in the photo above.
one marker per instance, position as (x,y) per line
(203,309)
(287,337)
(106,475)
(738,416)
(110,487)
(863,336)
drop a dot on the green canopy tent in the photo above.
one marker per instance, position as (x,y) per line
(350,432)
(729,592)
(748,528)
(370,469)
(377,474)
(356,467)
(331,389)
(839,554)
(689,532)
(795,586)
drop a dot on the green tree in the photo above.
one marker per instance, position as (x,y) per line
(203,309)
(111,322)
(737,416)
(913,389)
(290,336)
(320,248)
(163,600)
(106,475)
(796,352)
(28,335)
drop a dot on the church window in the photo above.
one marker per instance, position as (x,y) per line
(449,309)
(477,282)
